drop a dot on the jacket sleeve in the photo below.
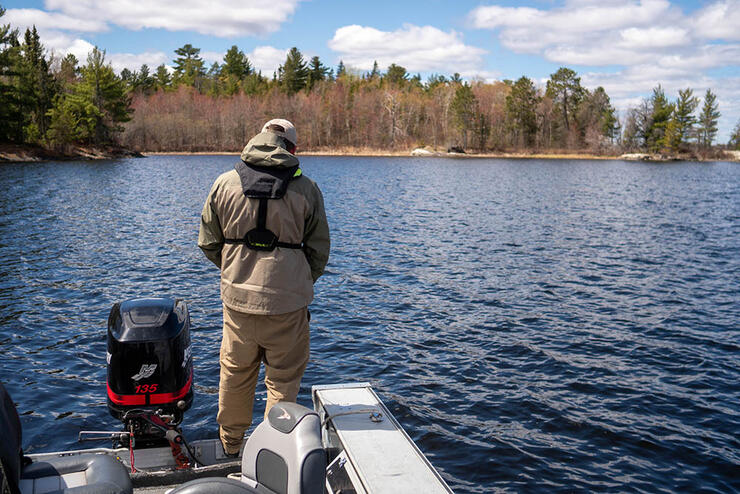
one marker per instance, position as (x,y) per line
(316,243)
(210,236)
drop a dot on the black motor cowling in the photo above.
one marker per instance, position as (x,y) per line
(150,365)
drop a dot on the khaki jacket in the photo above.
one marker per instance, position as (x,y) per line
(260,282)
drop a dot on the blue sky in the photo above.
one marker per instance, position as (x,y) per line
(626,46)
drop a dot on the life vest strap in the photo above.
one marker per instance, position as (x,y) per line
(261,238)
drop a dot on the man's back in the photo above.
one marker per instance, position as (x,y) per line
(263,224)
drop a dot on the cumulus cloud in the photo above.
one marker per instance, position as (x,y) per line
(24,18)
(267,59)
(720,20)
(652,40)
(134,61)
(417,48)
(591,32)
(223,18)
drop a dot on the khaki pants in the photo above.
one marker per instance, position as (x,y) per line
(282,343)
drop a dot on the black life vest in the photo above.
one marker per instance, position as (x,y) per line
(264,183)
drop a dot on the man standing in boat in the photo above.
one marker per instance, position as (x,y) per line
(263,224)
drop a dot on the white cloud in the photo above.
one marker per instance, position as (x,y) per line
(25,18)
(223,18)
(654,37)
(653,41)
(598,33)
(720,20)
(209,57)
(134,61)
(267,59)
(417,48)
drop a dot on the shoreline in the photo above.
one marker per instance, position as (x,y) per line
(15,153)
(10,153)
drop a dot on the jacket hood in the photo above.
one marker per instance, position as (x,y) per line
(267,149)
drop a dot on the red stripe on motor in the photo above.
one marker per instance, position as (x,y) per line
(159,398)
(125,399)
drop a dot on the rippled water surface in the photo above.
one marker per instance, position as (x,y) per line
(534,325)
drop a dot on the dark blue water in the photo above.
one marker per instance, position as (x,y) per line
(534,325)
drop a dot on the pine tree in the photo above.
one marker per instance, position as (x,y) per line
(99,101)
(316,72)
(565,89)
(685,107)
(464,108)
(375,73)
(662,111)
(68,70)
(521,107)
(341,71)
(144,81)
(162,79)
(37,85)
(708,119)
(64,123)
(236,64)
(11,114)
(294,72)
(435,80)
(189,67)
(734,142)
(396,74)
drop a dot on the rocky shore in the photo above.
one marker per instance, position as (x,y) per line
(25,153)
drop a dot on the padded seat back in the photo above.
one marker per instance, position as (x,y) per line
(284,453)
(10,444)
(81,474)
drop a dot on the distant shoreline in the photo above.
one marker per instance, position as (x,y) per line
(10,153)
(393,154)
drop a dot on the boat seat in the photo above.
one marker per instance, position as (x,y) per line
(215,485)
(79,474)
(284,454)
(83,474)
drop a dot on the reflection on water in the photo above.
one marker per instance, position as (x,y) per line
(544,325)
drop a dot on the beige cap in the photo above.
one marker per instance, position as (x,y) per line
(283,128)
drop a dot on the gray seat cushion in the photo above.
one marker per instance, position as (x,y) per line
(215,485)
(83,474)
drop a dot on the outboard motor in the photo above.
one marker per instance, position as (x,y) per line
(150,368)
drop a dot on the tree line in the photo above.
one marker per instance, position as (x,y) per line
(55,103)
(191,107)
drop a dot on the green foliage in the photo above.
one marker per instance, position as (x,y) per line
(684,115)
(316,72)
(521,111)
(11,115)
(341,70)
(564,88)
(375,73)
(293,74)
(662,111)
(37,87)
(236,64)
(464,108)
(708,119)
(99,101)
(68,70)
(162,79)
(143,80)
(434,81)
(63,127)
(395,74)
(189,69)
(734,142)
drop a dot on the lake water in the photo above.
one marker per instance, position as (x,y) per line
(534,325)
